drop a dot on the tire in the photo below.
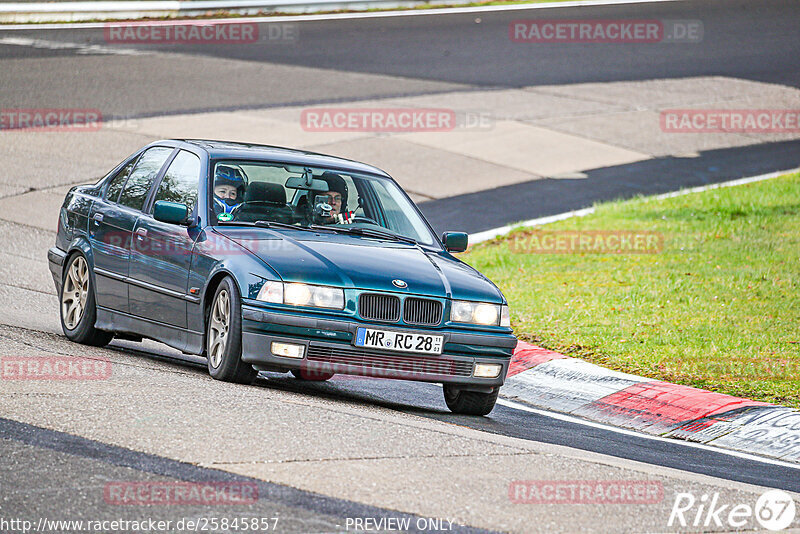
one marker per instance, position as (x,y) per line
(76,304)
(469,402)
(311,376)
(224,336)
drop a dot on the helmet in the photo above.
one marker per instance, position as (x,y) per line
(336,183)
(230,175)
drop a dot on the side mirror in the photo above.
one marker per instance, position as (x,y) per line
(455,241)
(170,212)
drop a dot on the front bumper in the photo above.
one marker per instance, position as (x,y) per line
(329,349)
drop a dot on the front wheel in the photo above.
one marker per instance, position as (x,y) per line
(224,336)
(469,402)
(77,305)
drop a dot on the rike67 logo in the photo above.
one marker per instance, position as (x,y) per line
(774,510)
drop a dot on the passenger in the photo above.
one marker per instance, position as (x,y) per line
(229,187)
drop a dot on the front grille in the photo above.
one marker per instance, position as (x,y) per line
(373,363)
(422,311)
(377,307)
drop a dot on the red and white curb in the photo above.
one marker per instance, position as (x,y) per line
(550,380)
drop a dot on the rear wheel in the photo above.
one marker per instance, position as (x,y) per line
(469,402)
(311,376)
(224,336)
(78,310)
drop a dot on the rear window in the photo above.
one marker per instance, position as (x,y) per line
(144,174)
(116,183)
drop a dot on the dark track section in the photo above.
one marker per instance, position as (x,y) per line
(475,212)
(743,39)
(758,41)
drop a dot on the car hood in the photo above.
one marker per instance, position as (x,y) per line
(363,263)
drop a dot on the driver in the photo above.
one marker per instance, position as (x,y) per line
(229,188)
(337,198)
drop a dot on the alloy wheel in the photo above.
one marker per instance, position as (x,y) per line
(218,333)
(74,293)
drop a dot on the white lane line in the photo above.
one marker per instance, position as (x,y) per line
(491,234)
(732,183)
(495,232)
(359,15)
(59,45)
(626,432)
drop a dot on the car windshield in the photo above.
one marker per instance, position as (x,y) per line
(251,192)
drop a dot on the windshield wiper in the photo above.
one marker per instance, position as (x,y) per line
(367,232)
(274,224)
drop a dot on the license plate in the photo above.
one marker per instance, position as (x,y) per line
(400,341)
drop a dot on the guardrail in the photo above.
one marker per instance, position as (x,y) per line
(25,12)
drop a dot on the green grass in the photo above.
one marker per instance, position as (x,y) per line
(718,307)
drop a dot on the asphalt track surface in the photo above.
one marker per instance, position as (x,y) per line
(54,474)
(425,400)
(64,470)
(757,41)
(751,40)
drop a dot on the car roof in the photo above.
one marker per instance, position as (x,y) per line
(232,150)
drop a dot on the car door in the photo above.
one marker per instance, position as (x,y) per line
(111,224)
(161,253)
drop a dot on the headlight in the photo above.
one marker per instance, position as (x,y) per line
(462,311)
(302,295)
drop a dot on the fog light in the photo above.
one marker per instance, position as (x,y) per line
(487,370)
(287,350)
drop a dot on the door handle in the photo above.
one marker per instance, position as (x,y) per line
(98,218)
(141,233)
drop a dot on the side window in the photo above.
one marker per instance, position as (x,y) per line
(135,192)
(116,183)
(181,180)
